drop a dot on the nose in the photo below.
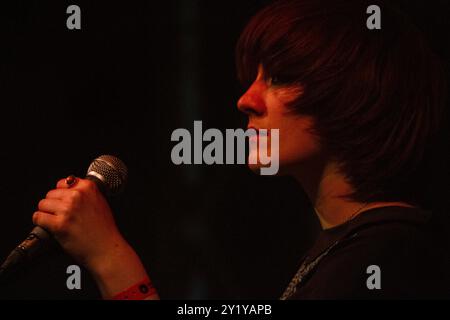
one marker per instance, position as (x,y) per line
(252,101)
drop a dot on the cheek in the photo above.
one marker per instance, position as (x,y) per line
(298,150)
(277,101)
(287,95)
(296,147)
(296,143)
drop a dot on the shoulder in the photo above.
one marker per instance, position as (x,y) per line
(386,258)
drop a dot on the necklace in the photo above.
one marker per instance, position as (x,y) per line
(307,268)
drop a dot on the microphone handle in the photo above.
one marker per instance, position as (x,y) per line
(27,250)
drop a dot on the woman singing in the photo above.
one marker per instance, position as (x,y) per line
(357,112)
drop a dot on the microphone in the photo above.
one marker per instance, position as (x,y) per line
(109,174)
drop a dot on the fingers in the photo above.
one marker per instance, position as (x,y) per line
(57,212)
(47,221)
(51,205)
(79,184)
(55,194)
(63,194)
(61,201)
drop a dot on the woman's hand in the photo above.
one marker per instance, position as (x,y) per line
(81,220)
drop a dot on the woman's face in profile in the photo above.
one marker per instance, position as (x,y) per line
(265,104)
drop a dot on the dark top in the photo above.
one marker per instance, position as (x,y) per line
(411,255)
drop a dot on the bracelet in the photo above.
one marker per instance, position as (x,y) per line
(138,291)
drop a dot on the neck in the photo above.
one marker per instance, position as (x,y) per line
(323,184)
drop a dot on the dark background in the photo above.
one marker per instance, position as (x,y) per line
(135,72)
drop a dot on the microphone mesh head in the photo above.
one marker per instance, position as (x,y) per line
(111,171)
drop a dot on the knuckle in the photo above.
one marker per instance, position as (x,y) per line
(36,218)
(75,196)
(73,200)
(60,182)
(41,203)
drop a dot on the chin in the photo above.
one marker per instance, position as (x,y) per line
(256,169)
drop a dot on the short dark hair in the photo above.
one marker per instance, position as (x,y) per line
(377,96)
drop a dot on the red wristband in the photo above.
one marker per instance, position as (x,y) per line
(138,291)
